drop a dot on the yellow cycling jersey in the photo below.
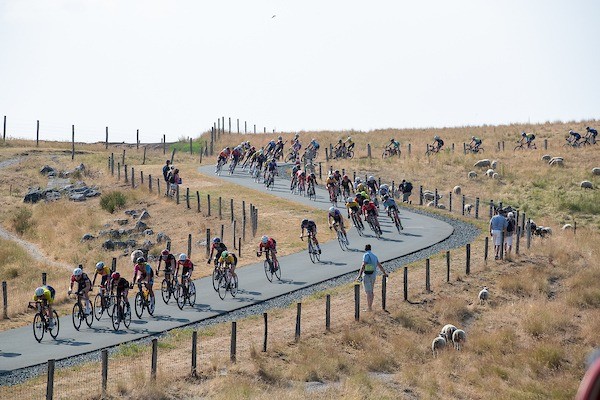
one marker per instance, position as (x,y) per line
(103,271)
(352,204)
(330,181)
(361,188)
(46,296)
(349,142)
(227,260)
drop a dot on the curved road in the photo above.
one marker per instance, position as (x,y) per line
(18,348)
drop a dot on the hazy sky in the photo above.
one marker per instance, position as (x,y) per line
(174,67)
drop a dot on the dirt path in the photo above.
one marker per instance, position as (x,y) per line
(31,248)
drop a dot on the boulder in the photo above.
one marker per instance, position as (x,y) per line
(132,213)
(472,175)
(92,193)
(457,190)
(80,168)
(494,164)
(131,243)
(595,171)
(586,185)
(546,157)
(77,197)
(161,237)
(147,245)
(149,232)
(108,245)
(121,221)
(141,226)
(144,215)
(483,163)
(88,236)
(33,195)
(52,195)
(46,170)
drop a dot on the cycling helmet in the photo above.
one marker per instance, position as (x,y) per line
(312,175)
(570,131)
(345,177)
(264,239)
(357,180)
(279,138)
(472,137)
(115,276)
(77,272)
(330,176)
(224,254)
(140,260)
(371,178)
(100,265)
(297,162)
(165,252)
(349,138)
(182,257)
(340,141)
(304,221)
(386,197)
(510,215)
(227,148)
(384,186)
(313,140)
(39,292)
(296,135)
(436,137)
(337,171)
(523,134)
(331,210)
(216,240)
(349,200)
(587,128)
(392,140)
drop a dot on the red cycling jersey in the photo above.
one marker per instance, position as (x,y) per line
(224,154)
(270,245)
(370,206)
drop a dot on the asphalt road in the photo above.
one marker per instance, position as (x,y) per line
(19,349)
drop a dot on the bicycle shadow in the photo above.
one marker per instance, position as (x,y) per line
(69,342)
(168,318)
(11,355)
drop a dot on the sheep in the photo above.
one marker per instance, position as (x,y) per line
(447,331)
(441,206)
(489,172)
(458,338)
(484,295)
(431,204)
(468,208)
(596,171)
(482,163)
(472,175)
(567,227)
(556,161)
(457,190)
(135,255)
(438,344)
(546,157)
(428,195)
(586,185)
(495,175)
(494,164)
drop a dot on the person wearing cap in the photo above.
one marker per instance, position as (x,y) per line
(368,273)
(497,226)
(510,231)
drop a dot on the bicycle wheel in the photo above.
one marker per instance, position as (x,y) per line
(277,269)
(38,327)
(139,304)
(77,315)
(116,318)
(223,283)
(398,223)
(317,255)
(89,319)
(350,154)
(191,294)
(340,238)
(165,291)
(311,252)
(216,275)
(233,286)
(108,305)
(56,327)
(127,315)
(98,309)
(519,147)
(151,304)
(181,296)
(268,265)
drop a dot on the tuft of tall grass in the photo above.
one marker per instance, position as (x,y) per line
(112,201)
(21,220)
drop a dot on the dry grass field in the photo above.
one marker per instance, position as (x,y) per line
(529,341)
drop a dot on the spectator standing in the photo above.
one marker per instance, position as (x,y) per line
(406,189)
(166,169)
(174,181)
(368,272)
(510,231)
(497,226)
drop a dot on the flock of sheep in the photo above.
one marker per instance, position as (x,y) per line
(451,334)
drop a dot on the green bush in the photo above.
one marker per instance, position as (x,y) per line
(112,201)
(21,221)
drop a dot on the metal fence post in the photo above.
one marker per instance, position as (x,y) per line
(485,248)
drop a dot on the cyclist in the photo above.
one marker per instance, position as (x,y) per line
(224,155)
(359,186)
(591,134)
(475,143)
(170,264)
(370,209)
(339,149)
(46,295)
(84,286)
(296,145)
(372,185)
(311,229)
(217,247)
(142,272)
(187,266)
(228,259)
(353,207)
(313,145)
(267,243)
(437,144)
(279,146)
(271,169)
(236,154)
(573,138)
(104,272)
(121,285)
(301,177)
(390,204)
(331,182)
(312,178)
(335,215)
(393,146)
(349,143)
(346,185)
(527,138)
(270,147)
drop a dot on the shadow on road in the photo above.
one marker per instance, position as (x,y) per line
(69,342)
(3,354)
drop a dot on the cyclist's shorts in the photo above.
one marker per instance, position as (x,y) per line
(372,212)
(338,219)
(392,208)
(355,209)
(104,279)
(186,270)
(81,285)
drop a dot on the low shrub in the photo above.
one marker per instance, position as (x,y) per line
(22,221)
(112,201)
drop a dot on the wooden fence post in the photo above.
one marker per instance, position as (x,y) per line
(233,224)
(328,312)
(357,301)
(405,283)
(104,369)
(106,142)
(518,232)
(222,232)
(4,300)
(477,208)
(463,204)
(44,276)
(144,158)
(4,130)
(450,202)
(239,247)
(125,171)
(141,177)
(233,346)
(448,266)
(421,195)
(383,292)
(37,134)
(194,353)
(409,149)
(468,266)
(150,183)
(528,233)
(177,193)
(172,156)
(208,203)
(50,381)
(265,318)
(298,320)
(137,140)
(231,208)
(435,199)
(113,266)
(207,242)
(189,246)
(187,197)
(73,143)
(220,208)
(123,158)
(132,178)
(369,150)
(485,248)
(502,245)
(158,186)
(427,276)
(154,359)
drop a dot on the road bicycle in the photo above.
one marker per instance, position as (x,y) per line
(570,143)
(143,300)
(301,188)
(187,292)
(227,283)
(431,149)
(374,225)
(219,167)
(310,191)
(121,313)
(41,324)
(216,276)
(292,156)
(389,152)
(232,165)
(524,146)
(102,302)
(474,149)
(313,252)
(395,216)
(270,181)
(341,237)
(78,314)
(343,152)
(271,269)
(357,222)
(293,183)
(332,195)
(169,288)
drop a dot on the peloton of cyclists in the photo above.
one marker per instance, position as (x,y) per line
(311,229)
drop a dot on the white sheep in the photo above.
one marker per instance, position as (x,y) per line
(567,227)
(484,295)
(468,208)
(447,331)
(458,338)
(596,171)
(559,161)
(457,190)
(438,344)
(494,164)
(441,206)
(472,175)
(489,172)
(135,255)
(482,163)
(431,204)
(546,157)
(495,175)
